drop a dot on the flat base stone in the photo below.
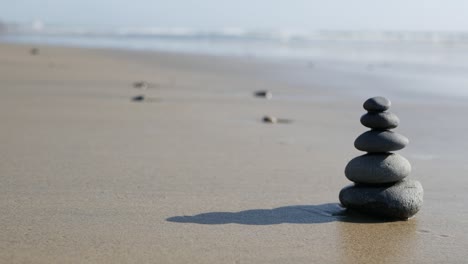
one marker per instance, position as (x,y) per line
(401,200)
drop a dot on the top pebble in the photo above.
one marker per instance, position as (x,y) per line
(377,104)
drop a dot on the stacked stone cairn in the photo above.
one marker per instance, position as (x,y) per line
(381,187)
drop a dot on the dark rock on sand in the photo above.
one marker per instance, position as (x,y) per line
(141,85)
(380,141)
(398,201)
(377,104)
(270,119)
(378,168)
(34,51)
(380,120)
(138,98)
(264,94)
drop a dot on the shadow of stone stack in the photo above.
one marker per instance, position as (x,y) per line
(381,187)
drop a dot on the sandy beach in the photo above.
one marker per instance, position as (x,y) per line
(191,174)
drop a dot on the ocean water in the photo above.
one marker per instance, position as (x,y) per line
(437,60)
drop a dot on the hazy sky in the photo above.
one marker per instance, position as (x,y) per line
(252,14)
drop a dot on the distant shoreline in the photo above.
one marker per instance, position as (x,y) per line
(436,73)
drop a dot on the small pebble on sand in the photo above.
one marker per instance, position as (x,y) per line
(141,85)
(264,94)
(138,98)
(270,119)
(34,51)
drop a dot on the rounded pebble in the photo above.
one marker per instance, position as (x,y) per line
(34,51)
(380,141)
(270,119)
(138,98)
(381,120)
(141,85)
(378,168)
(264,94)
(377,104)
(399,201)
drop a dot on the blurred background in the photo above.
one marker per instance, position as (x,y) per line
(427,37)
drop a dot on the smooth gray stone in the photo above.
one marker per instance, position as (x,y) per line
(382,120)
(380,141)
(377,104)
(398,201)
(378,168)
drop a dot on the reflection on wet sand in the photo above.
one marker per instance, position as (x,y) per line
(391,242)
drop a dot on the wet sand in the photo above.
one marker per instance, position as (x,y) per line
(191,174)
